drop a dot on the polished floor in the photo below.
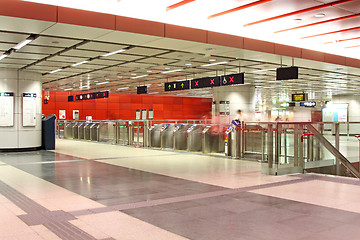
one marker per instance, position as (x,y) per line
(87,190)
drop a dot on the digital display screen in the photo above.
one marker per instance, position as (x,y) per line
(205,82)
(287,73)
(178,85)
(87,96)
(292,104)
(298,97)
(232,79)
(142,90)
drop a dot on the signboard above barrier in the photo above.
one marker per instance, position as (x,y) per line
(178,85)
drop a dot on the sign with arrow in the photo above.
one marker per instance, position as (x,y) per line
(178,85)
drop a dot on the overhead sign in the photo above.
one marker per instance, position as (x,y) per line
(232,79)
(175,86)
(287,73)
(308,104)
(87,96)
(205,82)
(141,90)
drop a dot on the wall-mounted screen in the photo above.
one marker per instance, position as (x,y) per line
(29,109)
(287,73)
(298,97)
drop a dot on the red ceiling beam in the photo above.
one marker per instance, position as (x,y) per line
(299,12)
(343,40)
(353,46)
(339,31)
(318,23)
(179,4)
(239,8)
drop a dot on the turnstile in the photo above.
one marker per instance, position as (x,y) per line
(155,140)
(68,133)
(94,133)
(167,136)
(82,130)
(228,141)
(213,139)
(180,136)
(194,136)
(87,131)
(75,130)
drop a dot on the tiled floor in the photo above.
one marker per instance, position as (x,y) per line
(89,190)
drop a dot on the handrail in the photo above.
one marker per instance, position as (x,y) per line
(333,150)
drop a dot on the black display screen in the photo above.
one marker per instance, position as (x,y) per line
(232,79)
(142,90)
(70,98)
(205,82)
(175,86)
(287,73)
(87,96)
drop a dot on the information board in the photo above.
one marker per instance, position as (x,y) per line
(29,109)
(232,79)
(205,82)
(6,109)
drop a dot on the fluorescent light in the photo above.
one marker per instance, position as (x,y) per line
(101,83)
(77,64)
(123,88)
(139,76)
(57,70)
(22,44)
(3,56)
(213,64)
(68,89)
(177,70)
(112,53)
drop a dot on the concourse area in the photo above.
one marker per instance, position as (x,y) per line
(179,119)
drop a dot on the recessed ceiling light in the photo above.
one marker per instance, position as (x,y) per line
(167,68)
(133,74)
(188,64)
(212,60)
(319,15)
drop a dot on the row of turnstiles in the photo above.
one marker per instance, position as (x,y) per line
(82,130)
(206,138)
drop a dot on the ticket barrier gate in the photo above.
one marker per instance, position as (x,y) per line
(194,138)
(94,133)
(87,135)
(213,140)
(228,141)
(180,136)
(75,130)
(69,130)
(125,134)
(167,136)
(82,130)
(155,138)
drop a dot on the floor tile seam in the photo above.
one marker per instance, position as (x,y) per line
(82,160)
(75,230)
(179,199)
(334,179)
(60,232)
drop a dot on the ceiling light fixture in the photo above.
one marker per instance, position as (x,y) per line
(68,89)
(213,64)
(3,56)
(139,76)
(123,88)
(212,60)
(319,15)
(101,83)
(77,64)
(188,64)
(55,71)
(25,42)
(112,53)
(177,70)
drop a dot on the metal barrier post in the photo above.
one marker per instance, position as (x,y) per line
(263,141)
(242,140)
(337,144)
(301,150)
(277,144)
(117,127)
(270,145)
(296,145)
(286,161)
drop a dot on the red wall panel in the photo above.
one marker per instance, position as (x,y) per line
(124,106)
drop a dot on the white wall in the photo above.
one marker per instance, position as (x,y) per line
(20,82)
(240,97)
(302,115)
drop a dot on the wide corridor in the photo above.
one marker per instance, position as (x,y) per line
(86,190)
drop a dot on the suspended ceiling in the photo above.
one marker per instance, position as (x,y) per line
(147,60)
